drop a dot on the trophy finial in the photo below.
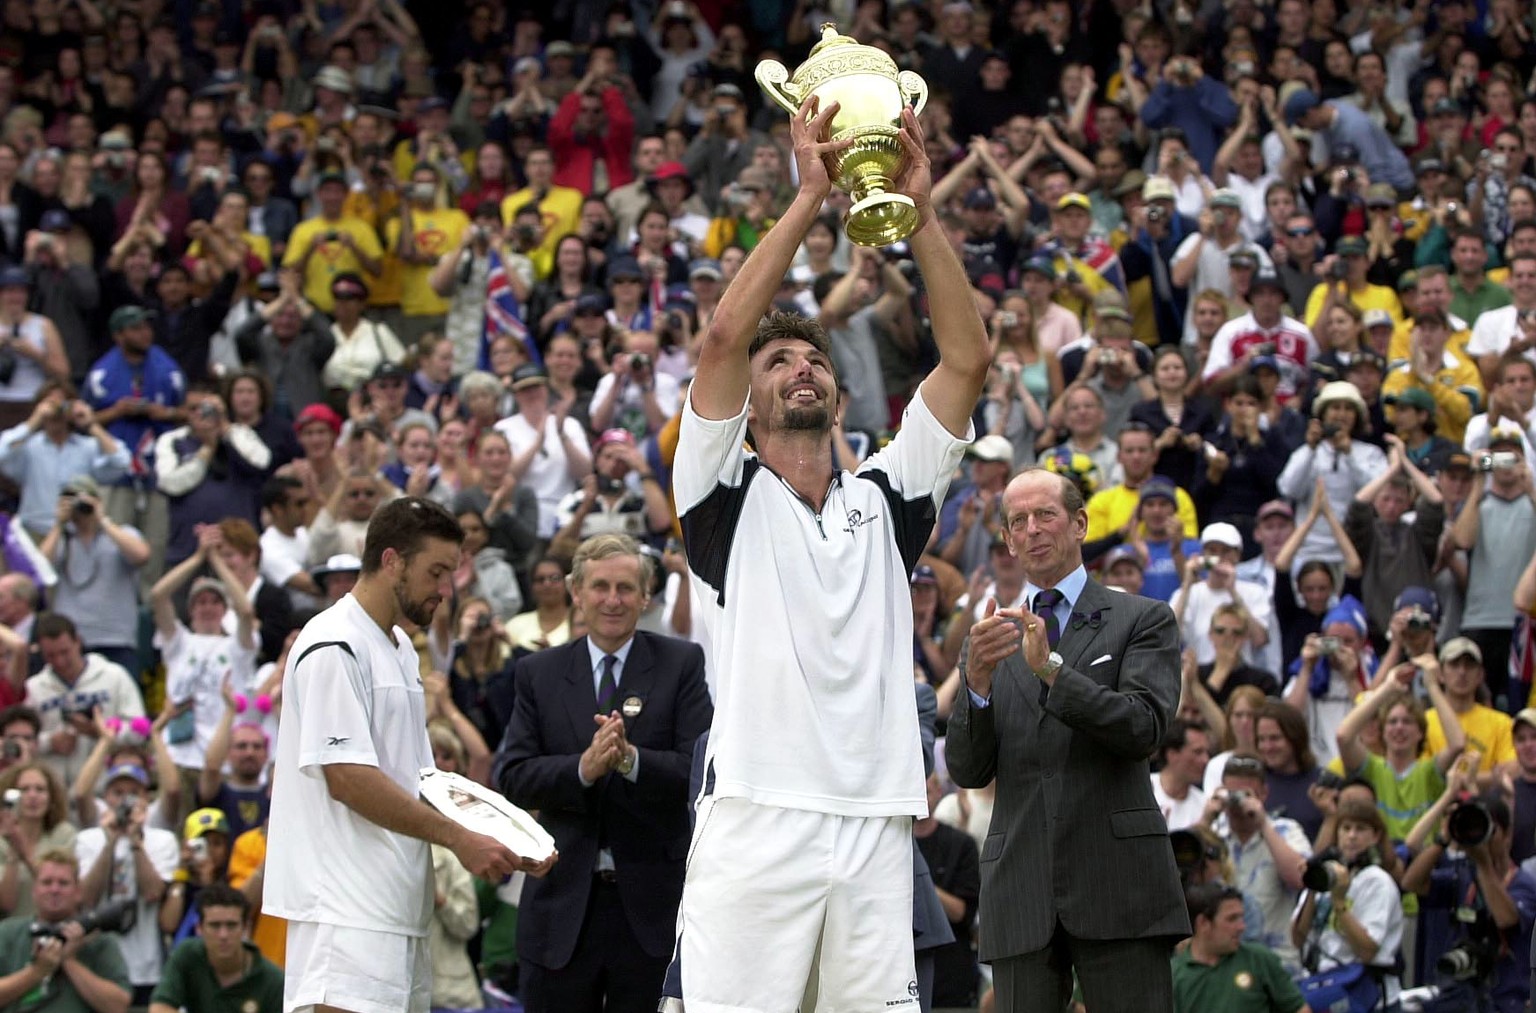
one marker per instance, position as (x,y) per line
(829,30)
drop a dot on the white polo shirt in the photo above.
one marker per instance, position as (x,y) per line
(351,694)
(808,614)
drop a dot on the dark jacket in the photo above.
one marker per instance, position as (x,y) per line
(645,824)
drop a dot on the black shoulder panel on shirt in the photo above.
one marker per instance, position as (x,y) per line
(709,529)
(912,520)
(312,648)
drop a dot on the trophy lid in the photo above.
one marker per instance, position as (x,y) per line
(831,37)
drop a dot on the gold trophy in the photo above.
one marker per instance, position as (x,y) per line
(870,93)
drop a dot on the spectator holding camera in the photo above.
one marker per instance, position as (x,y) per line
(97,561)
(1497,528)
(1336,453)
(634,395)
(71,686)
(1411,631)
(1269,852)
(70,968)
(1335,666)
(31,350)
(423,232)
(62,439)
(621,496)
(332,243)
(1210,581)
(1477,905)
(33,822)
(1351,911)
(461,274)
(123,858)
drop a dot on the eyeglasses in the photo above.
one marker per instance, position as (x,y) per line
(1298,233)
(1242,765)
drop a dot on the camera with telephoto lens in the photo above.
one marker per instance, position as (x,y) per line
(113,916)
(1328,779)
(80,508)
(1469,824)
(1319,876)
(1472,959)
(1498,461)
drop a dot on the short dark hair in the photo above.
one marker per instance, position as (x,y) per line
(275,491)
(1207,898)
(779,325)
(52,624)
(21,712)
(1177,736)
(222,895)
(403,525)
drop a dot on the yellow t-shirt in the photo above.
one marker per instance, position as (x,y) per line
(383,290)
(1110,509)
(1457,390)
(404,160)
(1368,297)
(1402,334)
(331,256)
(270,933)
(1490,733)
(437,232)
(561,213)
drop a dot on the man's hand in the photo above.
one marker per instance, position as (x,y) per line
(605,753)
(48,955)
(491,860)
(1037,646)
(812,154)
(993,638)
(915,177)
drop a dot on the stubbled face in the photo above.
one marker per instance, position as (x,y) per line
(422,582)
(793,387)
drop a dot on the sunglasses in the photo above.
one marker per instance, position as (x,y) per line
(1243,765)
(1299,233)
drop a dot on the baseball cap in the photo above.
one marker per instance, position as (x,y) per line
(1345,153)
(529,375)
(83,484)
(1159,487)
(1042,266)
(1413,397)
(1416,595)
(1505,436)
(705,267)
(922,573)
(213,584)
(1266,277)
(333,78)
(1380,195)
(1376,318)
(1460,461)
(1351,246)
(268,281)
(323,414)
(1263,362)
(992,448)
(1158,188)
(1111,313)
(1224,198)
(1244,258)
(205,821)
(979,198)
(1446,106)
(1528,716)
(727,90)
(608,436)
(1301,102)
(388,371)
(132,771)
(1074,200)
(591,304)
(624,267)
(1122,554)
(330,176)
(430,103)
(1408,281)
(560,47)
(14,277)
(1275,508)
(1221,533)
(1366,357)
(342,562)
(1460,647)
(122,317)
(1428,165)
(1134,181)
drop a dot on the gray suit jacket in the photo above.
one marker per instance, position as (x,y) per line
(1076,834)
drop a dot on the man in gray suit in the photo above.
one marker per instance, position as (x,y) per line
(1076,871)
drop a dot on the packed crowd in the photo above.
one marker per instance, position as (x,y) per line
(1261,280)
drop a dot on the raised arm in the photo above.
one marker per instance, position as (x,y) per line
(723,374)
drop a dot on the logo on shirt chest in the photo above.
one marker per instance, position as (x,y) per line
(858,519)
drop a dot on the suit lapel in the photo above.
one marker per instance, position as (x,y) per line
(636,681)
(581,698)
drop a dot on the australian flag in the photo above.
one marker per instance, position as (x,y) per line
(502,315)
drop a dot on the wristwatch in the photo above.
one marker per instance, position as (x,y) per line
(1053,664)
(627,764)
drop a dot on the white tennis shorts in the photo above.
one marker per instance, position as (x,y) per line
(779,900)
(355,969)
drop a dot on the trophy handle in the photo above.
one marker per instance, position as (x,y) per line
(913,89)
(773,77)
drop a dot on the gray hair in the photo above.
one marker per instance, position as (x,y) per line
(479,382)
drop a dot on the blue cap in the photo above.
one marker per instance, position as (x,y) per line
(1348,610)
(980,197)
(132,771)
(591,303)
(1423,597)
(1158,486)
(1264,362)
(624,267)
(14,277)
(705,267)
(1300,103)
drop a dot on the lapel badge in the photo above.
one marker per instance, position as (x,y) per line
(631,707)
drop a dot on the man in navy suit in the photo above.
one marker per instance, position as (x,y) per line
(600,743)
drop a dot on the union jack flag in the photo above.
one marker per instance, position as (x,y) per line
(502,315)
